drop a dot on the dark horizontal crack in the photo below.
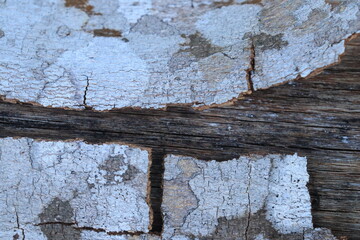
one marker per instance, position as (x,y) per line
(84,228)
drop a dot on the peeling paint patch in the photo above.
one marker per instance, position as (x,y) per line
(56,48)
(242,197)
(58,190)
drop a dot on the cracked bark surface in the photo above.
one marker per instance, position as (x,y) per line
(272,188)
(300,116)
(149,53)
(63,190)
(60,191)
(254,197)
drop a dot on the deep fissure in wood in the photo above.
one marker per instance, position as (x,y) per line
(251,69)
(156,190)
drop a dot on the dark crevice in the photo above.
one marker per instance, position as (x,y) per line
(85,228)
(85,94)
(251,69)
(249,202)
(18,226)
(156,175)
(113,233)
(61,223)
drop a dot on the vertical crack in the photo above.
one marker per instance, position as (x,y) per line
(155,192)
(249,201)
(251,69)
(18,225)
(29,143)
(85,92)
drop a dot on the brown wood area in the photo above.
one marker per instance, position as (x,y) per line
(318,117)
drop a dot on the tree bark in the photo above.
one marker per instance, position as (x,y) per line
(176,152)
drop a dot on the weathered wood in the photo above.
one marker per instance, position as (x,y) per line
(318,117)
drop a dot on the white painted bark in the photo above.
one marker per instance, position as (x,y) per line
(169,52)
(71,184)
(161,52)
(197,194)
(87,192)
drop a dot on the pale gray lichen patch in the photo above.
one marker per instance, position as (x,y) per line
(113,165)
(150,24)
(257,194)
(181,60)
(56,188)
(310,24)
(150,64)
(176,208)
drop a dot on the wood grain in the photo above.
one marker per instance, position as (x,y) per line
(317,117)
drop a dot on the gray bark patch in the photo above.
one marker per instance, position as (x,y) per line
(255,226)
(196,48)
(56,220)
(266,41)
(200,47)
(112,165)
(149,24)
(130,173)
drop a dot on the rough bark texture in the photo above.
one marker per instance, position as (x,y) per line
(71,190)
(316,117)
(96,54)
(148,53)
(199,196)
